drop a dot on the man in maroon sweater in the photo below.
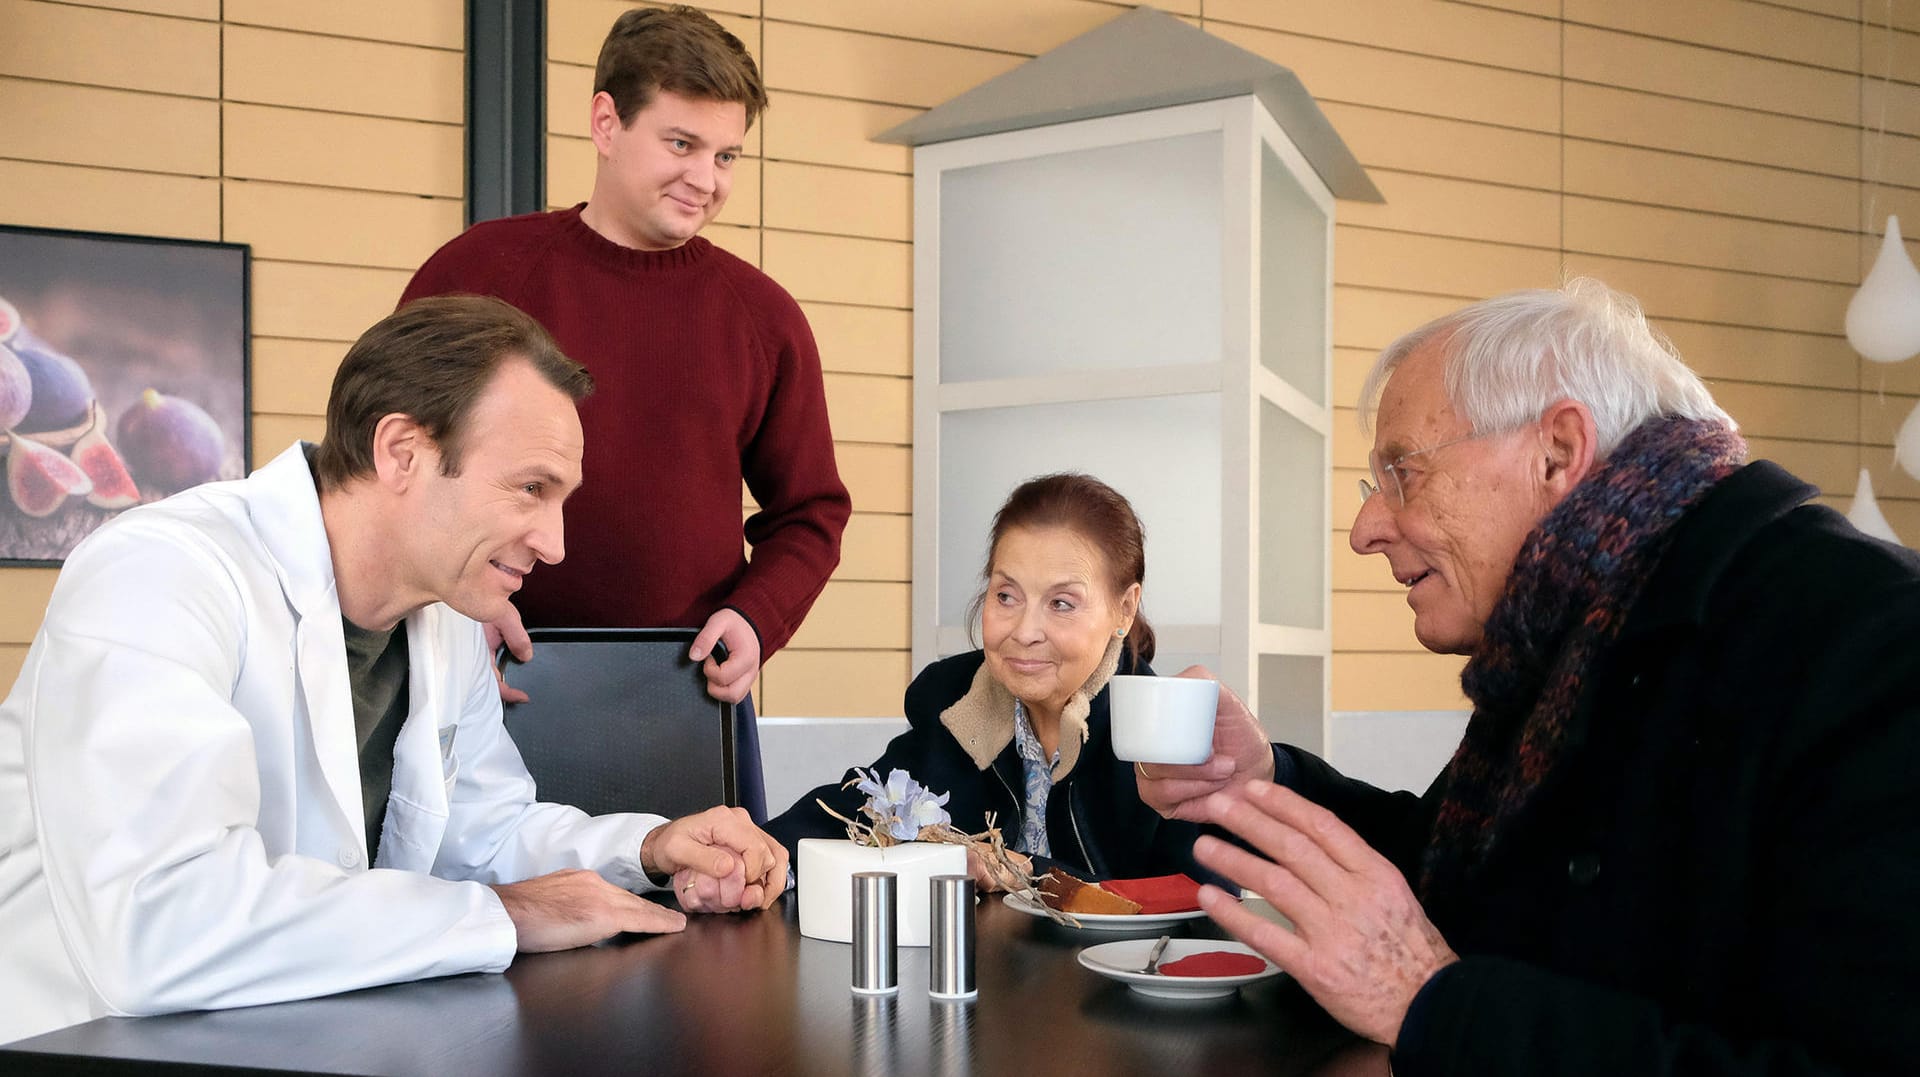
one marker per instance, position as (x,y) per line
(707,371)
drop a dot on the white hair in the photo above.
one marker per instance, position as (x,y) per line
(1511,357)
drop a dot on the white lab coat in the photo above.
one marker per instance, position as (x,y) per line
(180,812)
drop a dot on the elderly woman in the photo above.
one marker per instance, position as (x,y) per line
(1018,730)
(1680,834)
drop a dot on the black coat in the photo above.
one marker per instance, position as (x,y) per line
(1724,877)
(1096,822)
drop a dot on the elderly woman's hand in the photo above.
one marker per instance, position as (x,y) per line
(1361,944)
(989,876)
(1240,753)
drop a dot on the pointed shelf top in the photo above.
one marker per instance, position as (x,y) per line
(1142,60)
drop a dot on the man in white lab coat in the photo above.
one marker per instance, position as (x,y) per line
(256,750)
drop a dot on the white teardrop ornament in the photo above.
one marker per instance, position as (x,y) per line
(1865,512)
(1883,318)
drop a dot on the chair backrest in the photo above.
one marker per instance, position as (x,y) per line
(619,720)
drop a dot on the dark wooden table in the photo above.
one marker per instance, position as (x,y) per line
(737,995)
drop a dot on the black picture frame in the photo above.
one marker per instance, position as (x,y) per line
(142,344)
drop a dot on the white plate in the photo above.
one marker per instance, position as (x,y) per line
(1116,960)
(1107,921)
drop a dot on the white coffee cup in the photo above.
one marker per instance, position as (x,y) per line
(1163,719)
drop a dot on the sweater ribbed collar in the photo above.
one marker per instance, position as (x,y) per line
(577,234)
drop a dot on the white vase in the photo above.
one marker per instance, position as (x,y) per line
(825,881)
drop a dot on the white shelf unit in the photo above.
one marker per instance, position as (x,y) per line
(1145,297)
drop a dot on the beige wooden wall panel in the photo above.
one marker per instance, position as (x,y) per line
(839,201)
(437,23)
(1771,355)
(136,203)
(1407,142)
(840,269)
(1696,128)
(119,49)
(1703,74)
(1373,681)
(284,222)
(293,377)
(27,591)
(337,74)
(741,242)
(849,684)
(1356,74)
(570,168)
(310,301)
(865,408)
(1657,177)
(186,9)
(879,477)
(1883,56)
(575,28)
(833,131)
(876,547)
(1654,233)
(87,125)
(1844,9)
(1436,265)
(1739,26)
(856,615)
(1027,27)
(13,656)
(300,146)
(1902,107)
(1441,30)
(1714,295)
(1465,209)
(273,433)
(837,63)
(862,340)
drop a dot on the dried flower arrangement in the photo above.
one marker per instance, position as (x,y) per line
(900,809)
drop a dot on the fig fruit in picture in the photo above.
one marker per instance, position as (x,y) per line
(169,443)
(9,321)
(39,478)
(113,488)
(16,389)
(61,392)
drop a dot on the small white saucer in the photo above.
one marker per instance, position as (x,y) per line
(1106,921)
(1117,960)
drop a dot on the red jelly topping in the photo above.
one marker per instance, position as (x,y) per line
(1214,963)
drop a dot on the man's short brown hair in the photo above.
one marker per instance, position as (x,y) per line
(430,360)
(679,50)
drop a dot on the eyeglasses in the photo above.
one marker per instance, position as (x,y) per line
(1383,473)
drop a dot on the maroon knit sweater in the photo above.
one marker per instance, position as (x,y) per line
(706,374)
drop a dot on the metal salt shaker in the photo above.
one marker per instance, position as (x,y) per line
(875,971)
(950,906)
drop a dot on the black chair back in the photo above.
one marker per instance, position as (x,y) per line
(619,720)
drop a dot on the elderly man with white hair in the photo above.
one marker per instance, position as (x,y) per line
(1680,834)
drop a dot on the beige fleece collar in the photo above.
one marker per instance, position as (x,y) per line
(982,720)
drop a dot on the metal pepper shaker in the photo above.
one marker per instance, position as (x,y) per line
(875,971)
(950,966)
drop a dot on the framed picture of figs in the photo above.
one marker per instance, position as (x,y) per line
(123,379)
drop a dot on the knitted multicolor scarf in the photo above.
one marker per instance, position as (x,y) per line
(1577,575)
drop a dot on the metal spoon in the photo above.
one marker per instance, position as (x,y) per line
(1152,966)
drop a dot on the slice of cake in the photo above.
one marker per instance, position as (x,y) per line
(1070,895)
